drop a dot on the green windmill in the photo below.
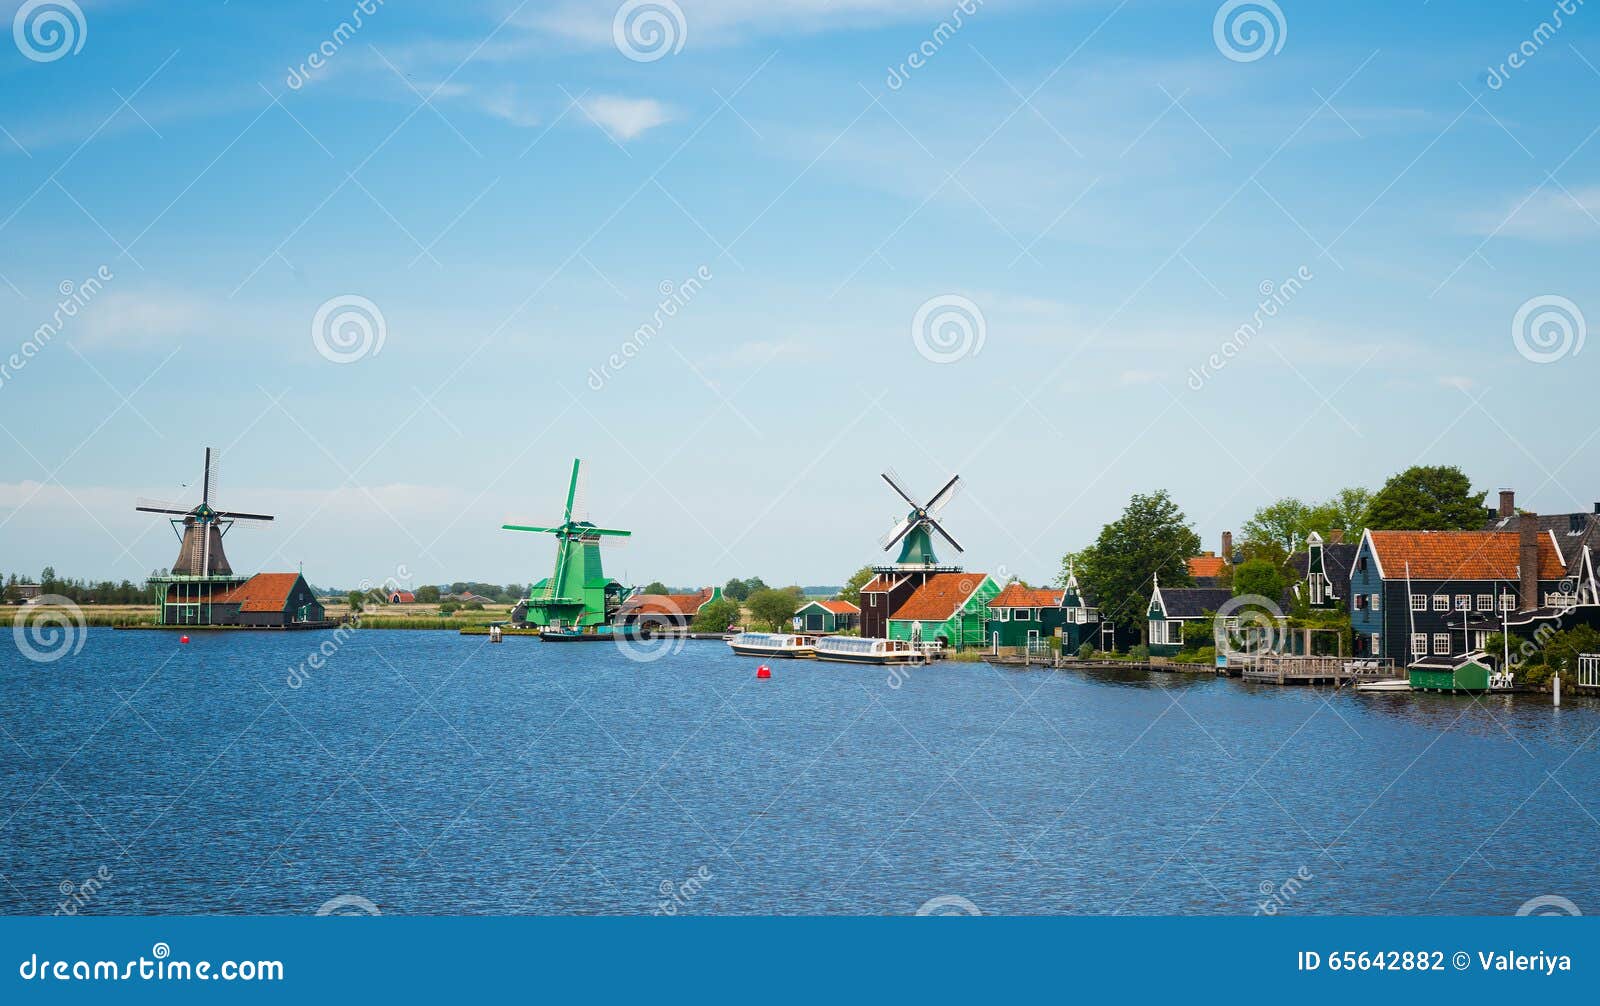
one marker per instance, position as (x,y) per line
(578,593)
(911,532)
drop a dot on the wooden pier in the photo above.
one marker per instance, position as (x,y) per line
(1286,669)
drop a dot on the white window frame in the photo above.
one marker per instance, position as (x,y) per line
(1419,602)
(1021,615)
(1463,602)
(1316,590)
(1441,644)
(1508,602)
(1419,644)
(1002,614)
(1485,602)
(1376,604)
(1377,643)
(1441,602)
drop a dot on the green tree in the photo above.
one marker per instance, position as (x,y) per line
(717,616)
(1427,498)
(1259,576)
(656,587)
(1151,537)
(774,609)
(354,599)
(428,594)
(852,588)
(1348,512)
(1284,523)
(736,589)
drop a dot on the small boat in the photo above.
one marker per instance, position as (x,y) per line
(862,650)
(1384,685)
(772,644)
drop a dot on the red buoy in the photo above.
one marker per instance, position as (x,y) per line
(763,671)
(183,639)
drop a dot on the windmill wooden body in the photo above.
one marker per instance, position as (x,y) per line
(202,588)
(577,594)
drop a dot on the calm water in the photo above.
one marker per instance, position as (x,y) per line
(434,773)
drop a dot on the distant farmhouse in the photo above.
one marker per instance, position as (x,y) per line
(666,609)
(827,616)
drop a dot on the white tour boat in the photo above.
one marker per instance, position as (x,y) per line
(772,644)
(860,650)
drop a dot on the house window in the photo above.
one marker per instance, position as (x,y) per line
(1175,633)
(1508,602)
(1377,643)
(1377,602)
(1441,643)
(1020,614)
(1485,602)
(1419,602)
(1463,602)
(1441,602)
(1002,614)
(1419,644)
(1361,564)
(1361,602)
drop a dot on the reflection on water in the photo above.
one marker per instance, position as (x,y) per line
(432,773)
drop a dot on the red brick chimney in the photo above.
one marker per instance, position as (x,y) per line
(1527,561)
(1227,547)
(1508,503)
(1335,536)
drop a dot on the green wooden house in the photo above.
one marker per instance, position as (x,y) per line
(950,608)
(827,616)
(1172,607)
(1026,616)
(1460,672)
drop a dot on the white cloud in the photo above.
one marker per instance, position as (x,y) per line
(625,118)
(723,21)
(144,318)
(1550,214)
(1458,382)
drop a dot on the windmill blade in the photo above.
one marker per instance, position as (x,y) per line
(905,529)
(896,487)
(208,483)
(946,534)
(236,515)
(529,527)
(942,498)
(609,542)
(607,531)
(161,506)
(894,534)
(576,508)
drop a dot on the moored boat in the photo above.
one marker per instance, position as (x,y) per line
(862,650)
(773,644)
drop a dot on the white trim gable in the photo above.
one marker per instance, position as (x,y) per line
(1371,548)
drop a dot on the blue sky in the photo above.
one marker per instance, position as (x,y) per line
(1101,183)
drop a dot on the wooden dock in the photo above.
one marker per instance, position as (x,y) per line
(1286,669)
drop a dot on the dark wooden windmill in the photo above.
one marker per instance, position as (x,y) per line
(884,595)
(200,529)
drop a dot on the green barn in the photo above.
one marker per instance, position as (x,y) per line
(827,616)
(950,608)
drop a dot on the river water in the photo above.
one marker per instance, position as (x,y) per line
(432,773)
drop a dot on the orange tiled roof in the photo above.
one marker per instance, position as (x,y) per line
(840,607)
(881,582)
(1206,565)
(1460,555)
(262,592)
(1015,595)
(939,597)
(668,604)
